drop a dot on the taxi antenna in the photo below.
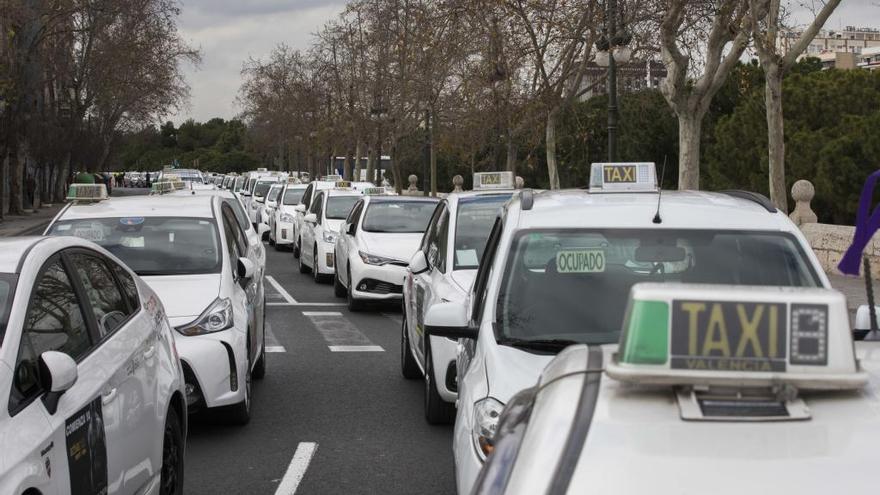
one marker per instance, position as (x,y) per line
(657,218)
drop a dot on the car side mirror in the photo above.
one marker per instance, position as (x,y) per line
(57,374)
(350,228)
(863,321)
(449,319)
(300,208)
(418,263)
(245,269)
(262,229)
(311,218)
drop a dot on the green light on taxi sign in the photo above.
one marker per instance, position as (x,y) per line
(646,340)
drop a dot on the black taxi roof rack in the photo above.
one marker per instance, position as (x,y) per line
(754,197)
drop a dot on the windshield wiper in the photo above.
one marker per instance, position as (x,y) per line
(551,345)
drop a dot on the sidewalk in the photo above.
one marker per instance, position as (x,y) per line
(29,223)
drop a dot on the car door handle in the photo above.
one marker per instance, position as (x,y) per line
(150,352)
(109,396)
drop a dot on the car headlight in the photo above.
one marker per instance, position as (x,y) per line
(217,317)
(486,414)
(287,218)
(329,236)
(372,259)
(495,475)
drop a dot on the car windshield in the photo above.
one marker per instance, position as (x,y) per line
(273,193)
(398,216)
(7,291)
(573,285)
(238,183)
(153,245)
(262,188)
(338,207)
(293,196)
(472,225)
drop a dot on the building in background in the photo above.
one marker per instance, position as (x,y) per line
(850,40)
(633,76)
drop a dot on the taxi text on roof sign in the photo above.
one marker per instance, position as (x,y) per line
(374,191)
(737,336)
(87,192)
(343,184)
(623,177)
(493,180)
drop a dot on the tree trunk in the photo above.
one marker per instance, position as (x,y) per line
(775,136)
(357,159)
(433,160)
(61,178)
(371,164)
(396,171)
(346,165)
(689,132)
(511,154)
(16,179)
(552,168)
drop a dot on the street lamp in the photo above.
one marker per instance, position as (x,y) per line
(611,49)
(378,112)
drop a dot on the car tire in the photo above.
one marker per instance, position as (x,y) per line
(339,290)
(272,242)
(437,410)
(302,266)
(408,366)
(260,366)
(295,249)
(171,477)
(316,273)
(240,414)
(353,304)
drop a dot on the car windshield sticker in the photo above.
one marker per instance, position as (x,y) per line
(580,261)
(131,242)
(63,227)
(728,336)
(90,232)
(87,450)
(466,257)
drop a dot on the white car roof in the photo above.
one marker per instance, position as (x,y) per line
(197,205)
(678,210)
(344,192)
(12,249)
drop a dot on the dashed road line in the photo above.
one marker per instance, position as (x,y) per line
(356,348)
(340,334)
(396,318)
(316,304)
(297,468)
(275,348)
(286,295)
(272,344)
(321,313)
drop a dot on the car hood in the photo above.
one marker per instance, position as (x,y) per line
(464,279)
(509,370)
(397,246)
(185,296)
(835,447)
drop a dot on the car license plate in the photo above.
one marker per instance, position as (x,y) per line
(728,336)
(284,233)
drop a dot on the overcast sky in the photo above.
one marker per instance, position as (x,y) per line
(230,31)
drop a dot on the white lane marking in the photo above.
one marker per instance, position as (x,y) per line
(356,348)
(275,348)
(287,297)
(396,318)
(272,344)
(305,304)
(297,468)
(321,313)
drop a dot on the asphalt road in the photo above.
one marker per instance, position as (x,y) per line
(362,419)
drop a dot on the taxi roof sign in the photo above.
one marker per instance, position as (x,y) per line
(342,184)
(623,177)
(332,178)
(374,191)
(493,180)
(738,336)
(87,192)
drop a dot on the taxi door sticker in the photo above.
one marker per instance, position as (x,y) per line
(580,261)
(87,450)
(728,336)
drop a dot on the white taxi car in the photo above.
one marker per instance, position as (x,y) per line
(281,223)
(559,266)
(91,383)
(442,270)
(256,200)
(308,197)
(270,203)
(321,227)
(756,386)
(374,245)
(192,251)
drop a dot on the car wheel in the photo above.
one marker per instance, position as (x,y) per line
(302,266)
(260,366)
(339,290)
(437,410)
(171,477)
(408,365)
(296,249)
(353,304)
(272,242)
(240,414)
(316,273)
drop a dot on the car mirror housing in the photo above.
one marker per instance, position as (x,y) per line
(449,319)
(418,263)
(262,229)
(350,229)
(300,208)
(58,373)
(245,269)
(311,218)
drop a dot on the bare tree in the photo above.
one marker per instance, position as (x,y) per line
(716,30)
(776,61)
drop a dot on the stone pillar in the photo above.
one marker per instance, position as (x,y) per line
(457,182)
(413,188)
(803,192)
(519,182)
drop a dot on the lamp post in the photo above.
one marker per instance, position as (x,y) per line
(378,112)
(611,49)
